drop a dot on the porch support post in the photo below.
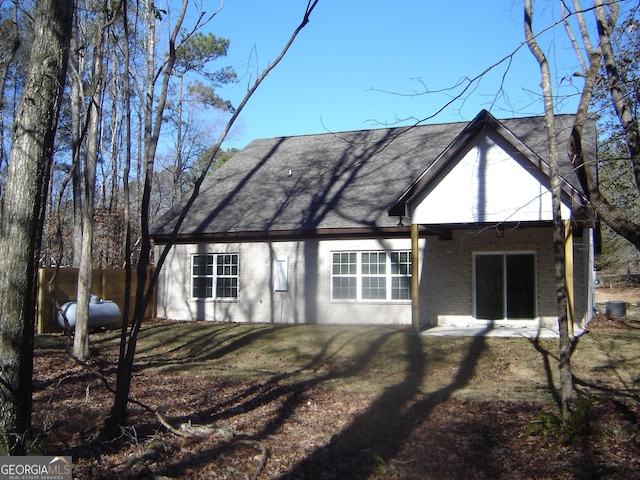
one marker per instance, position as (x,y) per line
(568,261)
(415,283)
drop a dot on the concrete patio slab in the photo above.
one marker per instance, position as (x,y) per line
(494,331)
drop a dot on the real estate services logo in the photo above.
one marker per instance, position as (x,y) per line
(35,468)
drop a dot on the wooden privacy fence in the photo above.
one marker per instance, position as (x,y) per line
(108,284)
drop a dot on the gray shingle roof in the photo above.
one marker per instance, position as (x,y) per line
(331,180)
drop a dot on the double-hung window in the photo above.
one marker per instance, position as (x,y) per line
(371,275)
(374,275)
(344,276)
(400,275)
(214,276)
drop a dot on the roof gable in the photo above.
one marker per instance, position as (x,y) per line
(486,174)
(484,184)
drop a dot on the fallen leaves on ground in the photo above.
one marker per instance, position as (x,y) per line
(310,431)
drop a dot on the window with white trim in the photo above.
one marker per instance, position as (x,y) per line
(214,276)
(371,275)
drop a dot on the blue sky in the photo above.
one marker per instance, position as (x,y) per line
(370,63)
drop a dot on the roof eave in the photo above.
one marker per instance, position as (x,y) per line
(269,235)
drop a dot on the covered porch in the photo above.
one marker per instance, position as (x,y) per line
(445,289)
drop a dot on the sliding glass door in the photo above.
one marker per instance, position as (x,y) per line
(505,286)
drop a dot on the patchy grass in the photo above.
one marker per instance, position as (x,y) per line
(373,359)
(345,402)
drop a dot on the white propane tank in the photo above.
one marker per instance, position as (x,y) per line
(102,313)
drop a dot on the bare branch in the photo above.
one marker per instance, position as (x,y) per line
(145,289)
(469,82)
(583,25)
(201,23)
(196,190)
(587,176)
(620,102)
(572,38)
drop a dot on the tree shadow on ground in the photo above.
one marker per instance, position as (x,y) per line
(376,436)
(547,357)
(618,363)
(205,345)
(372,439)
(620,367)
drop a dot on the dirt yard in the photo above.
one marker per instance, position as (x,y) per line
(278,402)
(629,294)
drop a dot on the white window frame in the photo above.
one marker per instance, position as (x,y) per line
(387,273)
(215,277)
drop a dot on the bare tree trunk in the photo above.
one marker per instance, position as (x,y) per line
(620,102)
(115,125)
(23,216)
(144,291)
(179,163)
(76,66)
(15,45)
(153,123)
(125,187)
(85,272)
(567,391)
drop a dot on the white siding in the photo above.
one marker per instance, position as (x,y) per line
(485,185)
(446,286)
(306,300)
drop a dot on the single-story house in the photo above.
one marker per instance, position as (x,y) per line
(447,224)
